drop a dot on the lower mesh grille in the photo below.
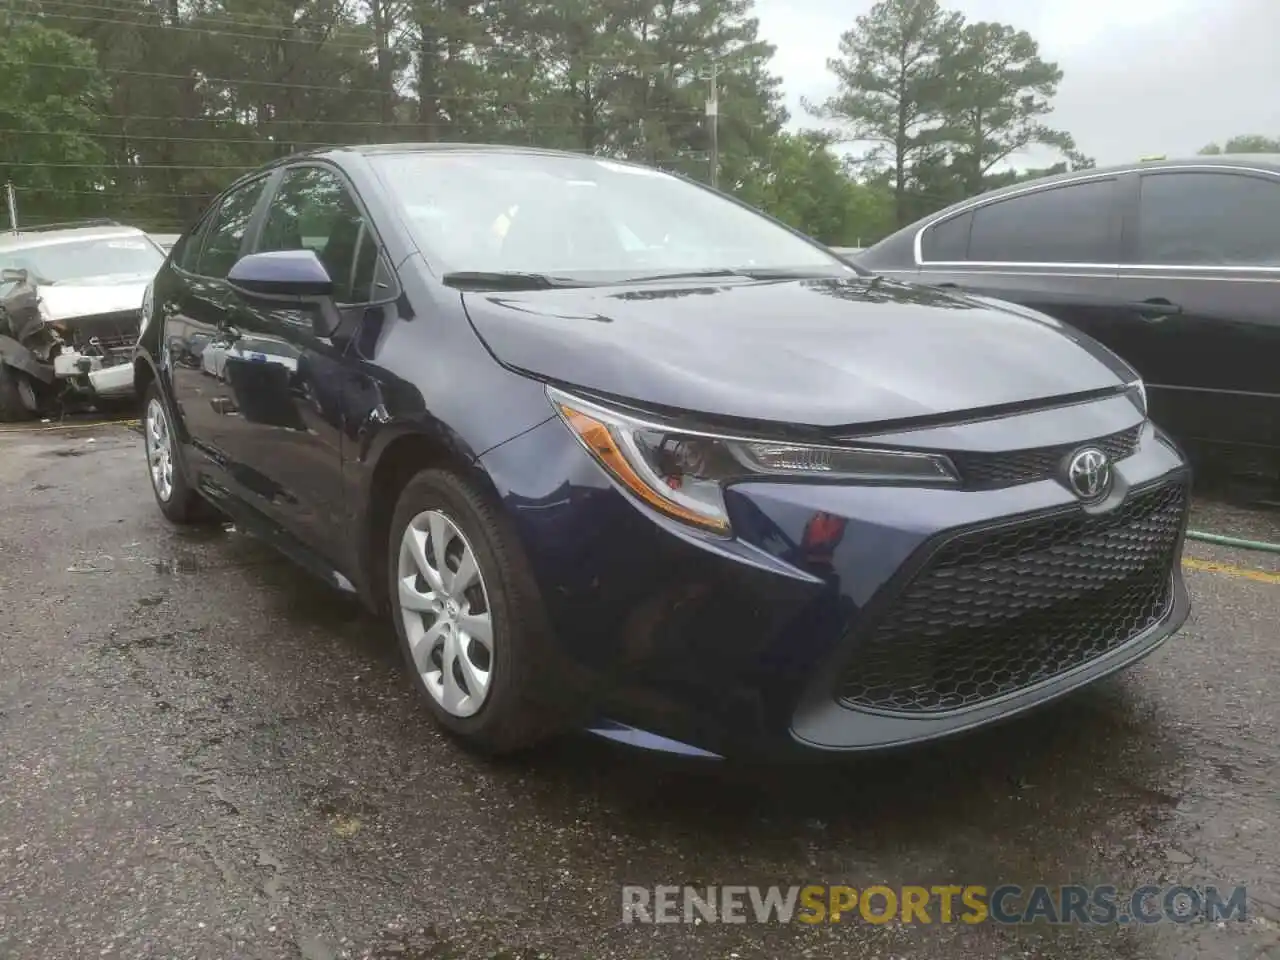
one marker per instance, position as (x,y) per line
(996,611)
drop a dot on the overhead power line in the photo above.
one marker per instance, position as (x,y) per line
(317,42)
(270,31)
(165,138)
(285,85)
(243,81)
(128,168)
(123,194)
(229,121)
(198,25)
(38,7)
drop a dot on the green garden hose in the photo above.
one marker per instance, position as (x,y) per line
(1233,541)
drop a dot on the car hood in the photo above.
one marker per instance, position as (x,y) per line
(824,353)
(111,295)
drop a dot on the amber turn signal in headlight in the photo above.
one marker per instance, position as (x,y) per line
(682,473)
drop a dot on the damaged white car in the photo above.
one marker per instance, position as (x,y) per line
(70,310)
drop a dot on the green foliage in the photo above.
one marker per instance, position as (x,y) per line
(939,104)
(801,182)
(892,87)
(47,149)
(200,91)
(1248,143)
(997,89)
(143,109)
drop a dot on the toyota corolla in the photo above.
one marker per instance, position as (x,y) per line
(614,451)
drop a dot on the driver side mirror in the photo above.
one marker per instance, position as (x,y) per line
(288,278)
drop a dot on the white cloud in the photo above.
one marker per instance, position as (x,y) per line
(1140,76)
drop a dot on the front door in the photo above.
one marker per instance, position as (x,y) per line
(285,379)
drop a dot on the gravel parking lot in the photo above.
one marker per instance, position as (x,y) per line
(205,754)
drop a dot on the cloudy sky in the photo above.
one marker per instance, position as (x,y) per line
(1140,76)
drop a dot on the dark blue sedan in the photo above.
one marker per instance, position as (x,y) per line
(614,451)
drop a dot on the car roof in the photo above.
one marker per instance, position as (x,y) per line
(1265,161)
(40,237)
(376,149)
(400,149)
(336,154)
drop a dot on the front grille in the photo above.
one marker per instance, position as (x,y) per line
(996,611)
(113,331)
(991,470)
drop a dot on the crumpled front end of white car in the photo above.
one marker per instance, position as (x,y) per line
(98,344)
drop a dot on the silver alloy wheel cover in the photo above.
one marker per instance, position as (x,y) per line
(439,608)
(159,439)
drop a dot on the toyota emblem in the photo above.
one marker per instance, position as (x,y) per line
(1089,474)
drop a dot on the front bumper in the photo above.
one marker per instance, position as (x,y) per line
(750,646)
(90,376)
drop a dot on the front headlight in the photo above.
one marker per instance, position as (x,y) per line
(1138,391)
(682,473)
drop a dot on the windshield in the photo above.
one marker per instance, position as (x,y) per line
(78,261)
(584,218)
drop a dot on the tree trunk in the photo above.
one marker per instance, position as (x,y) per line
(380,18)
(429,83)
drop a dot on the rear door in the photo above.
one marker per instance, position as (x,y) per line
(1202,269)
(1052,248)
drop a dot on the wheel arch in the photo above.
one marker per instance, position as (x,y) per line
(398,459)
(144,374)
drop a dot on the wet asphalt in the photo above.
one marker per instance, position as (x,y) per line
(205,754)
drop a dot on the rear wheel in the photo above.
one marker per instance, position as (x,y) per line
(467,613)
(176,499)
(17,395)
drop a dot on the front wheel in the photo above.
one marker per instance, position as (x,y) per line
(467,613)
(176,499)
(17,395)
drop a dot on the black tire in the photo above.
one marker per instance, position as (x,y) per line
(12,408)
(512,717)
(184,505)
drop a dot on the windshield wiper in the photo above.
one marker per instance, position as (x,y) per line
(684,275)
(795,273)
(500,280)
(745,273)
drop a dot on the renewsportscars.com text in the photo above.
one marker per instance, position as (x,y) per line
(965,904)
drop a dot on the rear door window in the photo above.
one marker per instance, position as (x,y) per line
(1069,224)
(1209,219)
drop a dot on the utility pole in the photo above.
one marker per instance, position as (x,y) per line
(713,117)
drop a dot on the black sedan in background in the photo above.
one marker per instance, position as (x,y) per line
(616,451)
(1173,264)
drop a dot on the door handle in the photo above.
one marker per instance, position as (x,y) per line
(1157,309)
